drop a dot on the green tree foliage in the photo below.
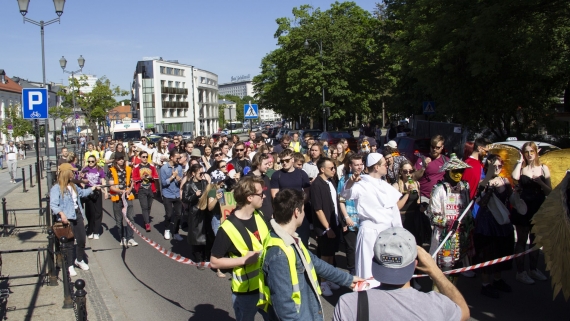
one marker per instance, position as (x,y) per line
(292,76)
(487,64)
(94,105)
(13,116)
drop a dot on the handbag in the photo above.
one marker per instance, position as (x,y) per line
(518,203)
(60,230)
(498,209)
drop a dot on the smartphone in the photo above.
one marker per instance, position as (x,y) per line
(222,200)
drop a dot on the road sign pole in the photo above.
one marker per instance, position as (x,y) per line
(38,179)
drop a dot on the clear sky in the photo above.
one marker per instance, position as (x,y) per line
(227,37)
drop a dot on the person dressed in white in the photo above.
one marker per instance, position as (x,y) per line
(12,160)
(377,206)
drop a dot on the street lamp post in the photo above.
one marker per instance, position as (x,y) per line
(320,44)
(23,5)
(63,63)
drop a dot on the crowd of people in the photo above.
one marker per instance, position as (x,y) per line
(390,215)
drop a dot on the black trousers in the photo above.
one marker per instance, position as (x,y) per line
(93,211)
(172,209)
(78,227)
(146,196)
(350,247)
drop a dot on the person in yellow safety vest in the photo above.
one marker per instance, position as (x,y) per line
(119,176)
(295,144)
(241,238)
(283,293)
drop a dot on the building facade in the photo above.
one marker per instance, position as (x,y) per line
(237,88)
(206,105)
(167,96)
(10,95)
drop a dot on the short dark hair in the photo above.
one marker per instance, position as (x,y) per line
(172,153)
(321,162)
(480,142)
(285,137)
(285,203)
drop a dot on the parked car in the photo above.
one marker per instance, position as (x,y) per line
(543,148)
(282,132)
(412,147)
(334,137)
(187,135)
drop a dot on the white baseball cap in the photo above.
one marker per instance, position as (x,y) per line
(395,253)
(392,144)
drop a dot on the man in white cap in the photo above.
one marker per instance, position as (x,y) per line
(395,257)
(376,203)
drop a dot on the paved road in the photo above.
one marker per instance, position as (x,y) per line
(142,284)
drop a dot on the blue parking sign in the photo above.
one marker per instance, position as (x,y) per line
(35,103)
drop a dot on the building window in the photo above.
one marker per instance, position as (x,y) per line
(162,70)
(169,70)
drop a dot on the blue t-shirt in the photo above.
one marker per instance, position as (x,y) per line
(349,204)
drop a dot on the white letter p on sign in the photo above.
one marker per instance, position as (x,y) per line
(34,98)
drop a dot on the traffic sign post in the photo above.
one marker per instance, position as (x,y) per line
(250,111)
(428,107)
(35,103)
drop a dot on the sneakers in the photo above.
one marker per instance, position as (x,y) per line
(490,291)
(95,236)
(72,272)
(333,285)
(326,291)
(501,285)
(147,227)
(123,242)
(132,243)
(82,265)
(524,278)
(177,237)
(90,236)
(537,275)
(167,235)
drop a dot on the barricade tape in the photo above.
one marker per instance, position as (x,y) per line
(484,264)
(176,257)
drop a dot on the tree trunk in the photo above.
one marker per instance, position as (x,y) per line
(94,132)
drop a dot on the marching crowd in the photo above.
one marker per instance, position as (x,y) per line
(390,215)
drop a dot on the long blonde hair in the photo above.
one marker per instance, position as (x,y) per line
(203,201)
(535,149)
(64,179)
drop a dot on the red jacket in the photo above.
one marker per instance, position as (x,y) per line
(137,179)
(473,175)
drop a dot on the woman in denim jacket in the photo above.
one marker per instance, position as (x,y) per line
(64,203)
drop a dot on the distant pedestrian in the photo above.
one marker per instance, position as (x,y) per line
(12,160)
(93,175)
(171,175)
(120,175)
(144,177)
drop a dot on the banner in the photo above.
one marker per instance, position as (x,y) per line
(230,205)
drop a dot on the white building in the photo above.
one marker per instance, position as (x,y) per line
(91,81)
(237,88)
(10,95)
(170,96)
(268,115)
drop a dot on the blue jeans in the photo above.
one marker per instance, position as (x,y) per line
(245,307)
(1,162)
(216,223)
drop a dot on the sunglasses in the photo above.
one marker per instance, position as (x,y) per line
(260,195)
(331,168)
(217,154)
(437,147)
(286,160)
(240,150)
(144,156)
(91,162)
(407,171)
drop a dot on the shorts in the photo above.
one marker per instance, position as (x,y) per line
(327,246)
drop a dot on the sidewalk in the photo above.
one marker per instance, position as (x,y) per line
(29,298)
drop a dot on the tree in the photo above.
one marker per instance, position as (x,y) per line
(487,64)
(94,105)
(293,77)
(13,116)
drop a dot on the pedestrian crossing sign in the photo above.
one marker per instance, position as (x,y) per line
(428,107)
(250,111)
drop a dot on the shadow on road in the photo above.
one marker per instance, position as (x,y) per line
(209,312)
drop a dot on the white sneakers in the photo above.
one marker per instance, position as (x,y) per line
(178,237)
(524,278)
(325,289)
(123,242)
(537,275)
(167,235)
(132,243)
(95,236)
(71,270)
(90,236)
(82,265)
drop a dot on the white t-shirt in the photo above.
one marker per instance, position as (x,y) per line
(11,153)
(334,198)
(73,196)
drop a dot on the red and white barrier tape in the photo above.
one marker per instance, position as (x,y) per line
(484,264)
(176,257)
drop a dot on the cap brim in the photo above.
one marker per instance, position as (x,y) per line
(393,276)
